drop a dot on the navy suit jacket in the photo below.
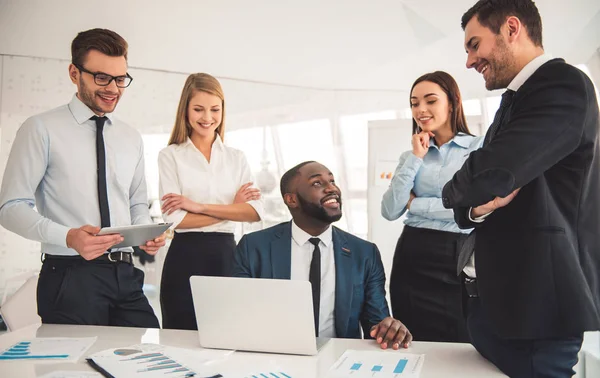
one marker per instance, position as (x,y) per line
(359,280)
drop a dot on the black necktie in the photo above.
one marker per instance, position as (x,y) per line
(468,247)
(314,276)
(507,98)
(466,251)
(101,160)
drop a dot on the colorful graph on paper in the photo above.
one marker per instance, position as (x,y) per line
(379,364)
(153,361)
(134,363)
(64,349)
(270,374)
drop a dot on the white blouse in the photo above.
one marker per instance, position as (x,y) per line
(184,170)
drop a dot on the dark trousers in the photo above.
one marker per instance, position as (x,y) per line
(425,292)
(76,291)
(191,254)
(545,358)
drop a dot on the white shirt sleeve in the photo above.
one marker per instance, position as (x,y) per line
(246,177)
(25,169)
(478,219)
(168,182)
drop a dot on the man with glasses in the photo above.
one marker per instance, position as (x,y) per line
(83,169)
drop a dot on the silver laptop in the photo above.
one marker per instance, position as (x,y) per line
(260,315)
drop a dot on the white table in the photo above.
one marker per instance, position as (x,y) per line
(441,359)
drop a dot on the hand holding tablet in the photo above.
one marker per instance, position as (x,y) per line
(136,235)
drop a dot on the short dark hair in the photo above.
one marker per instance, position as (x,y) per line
(289,175)
(458,122)
(106,41)
(493,13)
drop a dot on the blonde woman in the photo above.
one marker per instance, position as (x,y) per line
(205,188)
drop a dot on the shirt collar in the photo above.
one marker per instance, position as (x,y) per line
(82,113)
(460,139)
(527,71)
(463,140)
(301,237)
(218,143)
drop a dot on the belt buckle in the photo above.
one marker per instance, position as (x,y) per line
(110,258)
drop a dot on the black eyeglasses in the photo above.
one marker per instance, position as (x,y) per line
(103,79)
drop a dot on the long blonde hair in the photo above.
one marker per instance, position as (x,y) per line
(198,82)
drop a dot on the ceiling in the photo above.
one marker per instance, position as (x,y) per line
(380,45)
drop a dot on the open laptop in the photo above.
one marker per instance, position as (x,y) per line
(252,314)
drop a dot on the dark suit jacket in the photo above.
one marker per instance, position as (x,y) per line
(538,259)
(359,275)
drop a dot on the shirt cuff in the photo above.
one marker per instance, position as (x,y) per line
(419,206)
(258,206)
(57,234)
(478,219)
(176,217)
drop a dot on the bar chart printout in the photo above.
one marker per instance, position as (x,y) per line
(269,374)
(51,348)
(377,364)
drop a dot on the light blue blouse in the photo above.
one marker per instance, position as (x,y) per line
(426,178)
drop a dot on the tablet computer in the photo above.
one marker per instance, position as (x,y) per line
(137,234)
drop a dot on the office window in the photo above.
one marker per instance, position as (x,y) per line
(153,143)
(472,107)
(310,140)
(257,145)
(355,134)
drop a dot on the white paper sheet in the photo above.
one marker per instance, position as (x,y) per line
(377,364)
(51,349)
(153,360)
(72,374)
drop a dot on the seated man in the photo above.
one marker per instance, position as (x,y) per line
(346,272)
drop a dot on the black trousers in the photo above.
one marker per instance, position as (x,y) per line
(543,358)
(76,291)
(426,294)
(191,254)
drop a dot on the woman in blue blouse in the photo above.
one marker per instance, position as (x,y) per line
(424,288)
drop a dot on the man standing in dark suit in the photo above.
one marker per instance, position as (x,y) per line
(532,193)
(346,272)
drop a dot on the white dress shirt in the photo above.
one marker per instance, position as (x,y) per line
(52,166)
(184,170)
(514,85)
(302,251)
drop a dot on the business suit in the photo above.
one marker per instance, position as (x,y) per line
(538,258)
(360,278)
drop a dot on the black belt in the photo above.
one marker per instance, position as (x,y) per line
(113,257)
(471,287)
